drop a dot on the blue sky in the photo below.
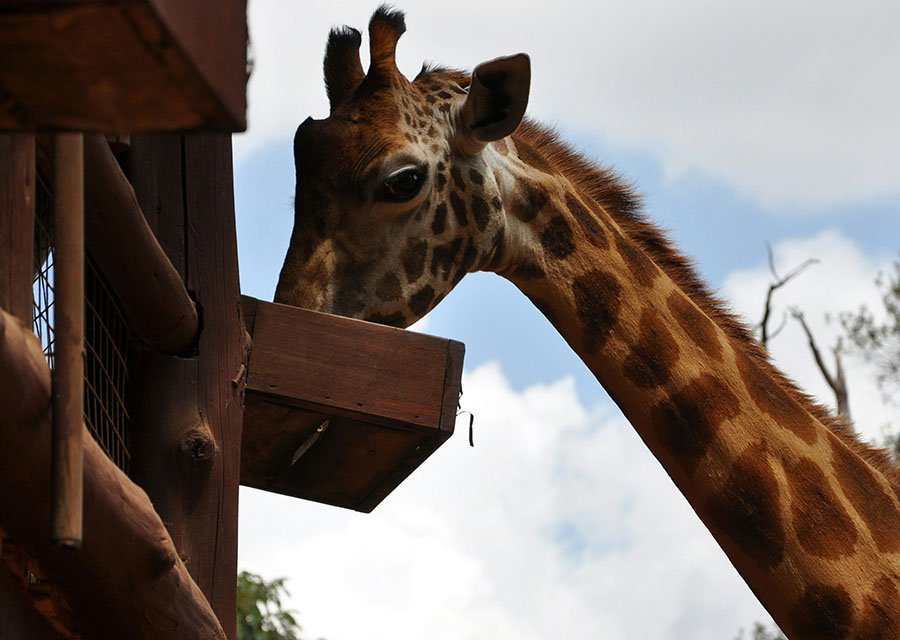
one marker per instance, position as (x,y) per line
(742,127)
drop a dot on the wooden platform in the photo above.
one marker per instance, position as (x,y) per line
(123,67)
(341,411)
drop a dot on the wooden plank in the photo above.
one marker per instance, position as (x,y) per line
(213,35)
(158,186)
(188,422)
(212,264)
(136,65)
(17,182)
(348,367)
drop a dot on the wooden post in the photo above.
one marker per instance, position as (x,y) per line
(186,452)
(16,223)
(68,374)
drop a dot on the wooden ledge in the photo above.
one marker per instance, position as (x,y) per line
(341,411)
(128,66)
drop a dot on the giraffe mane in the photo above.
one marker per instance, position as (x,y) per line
(618,198)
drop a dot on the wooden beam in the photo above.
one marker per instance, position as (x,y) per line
(127,66)
(127,580)
(16,223)
(119,239)
(186,451)
(68,324)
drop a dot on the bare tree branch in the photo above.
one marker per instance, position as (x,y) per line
(836,381)
(777,283)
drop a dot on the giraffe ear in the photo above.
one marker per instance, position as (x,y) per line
(498,96)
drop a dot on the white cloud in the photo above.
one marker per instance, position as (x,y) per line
(842,280)
(790,104)
(558,524)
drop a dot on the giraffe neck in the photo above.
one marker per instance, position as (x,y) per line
(806,516)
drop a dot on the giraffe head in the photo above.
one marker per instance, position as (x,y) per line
(396,199)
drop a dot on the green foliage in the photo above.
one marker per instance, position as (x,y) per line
(260,612)
(878,340)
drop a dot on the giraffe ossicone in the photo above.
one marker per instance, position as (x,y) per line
(407,186)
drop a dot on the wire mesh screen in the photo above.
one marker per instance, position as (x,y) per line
(106,338)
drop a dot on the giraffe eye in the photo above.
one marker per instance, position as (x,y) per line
(402,185)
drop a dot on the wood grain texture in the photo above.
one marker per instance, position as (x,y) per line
(127,580)
(350,367)
(119,238)
(188,422)
(341,411)
(68,327)
(136,65)
(17,183)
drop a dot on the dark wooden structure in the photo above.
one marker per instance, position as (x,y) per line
(126,66)
(138,465)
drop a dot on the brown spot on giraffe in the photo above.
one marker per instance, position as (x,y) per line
(597,295)
(867,496)
(456,174)
(650,361)
(413,259)
(480,212)
(388,287)
(458,206)
(556,238)
(530,202)
(642,267)
(821,524)
(880,615)
(466,262)
(699,328)
(420,300)
(588,221)
(476,177)
(774,400)
(823,613)
(687,422)
(748,508)
(439,222)
(498,249)
(444,256)
(527,270)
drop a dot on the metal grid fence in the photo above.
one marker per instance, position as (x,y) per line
(106,338)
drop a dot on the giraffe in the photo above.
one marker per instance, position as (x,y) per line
(407,186)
